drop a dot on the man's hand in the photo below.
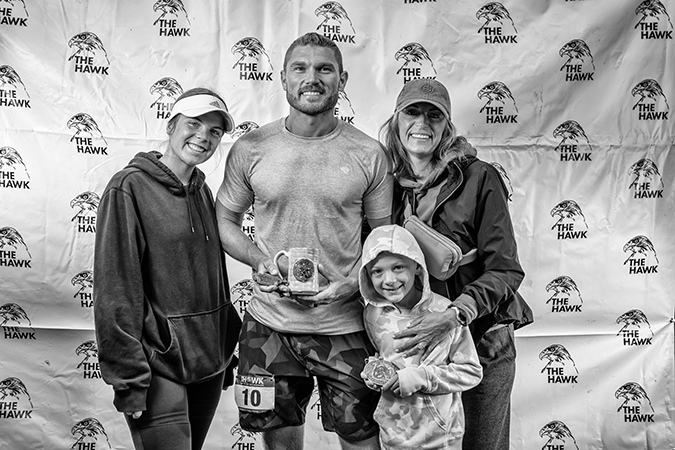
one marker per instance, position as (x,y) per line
(424,333)
(135,414)
(338,286)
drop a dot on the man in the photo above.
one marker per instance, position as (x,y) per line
(313,178)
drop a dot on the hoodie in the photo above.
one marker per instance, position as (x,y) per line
(429,415)
(161,296)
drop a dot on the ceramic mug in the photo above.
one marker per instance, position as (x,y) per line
(303,272)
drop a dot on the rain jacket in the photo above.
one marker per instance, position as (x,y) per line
(430,413)
(471,209)
(161,297)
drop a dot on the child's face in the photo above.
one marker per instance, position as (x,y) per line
(393,277)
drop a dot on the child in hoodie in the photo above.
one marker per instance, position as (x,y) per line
(420,406)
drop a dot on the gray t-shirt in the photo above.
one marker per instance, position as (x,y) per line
(309,192)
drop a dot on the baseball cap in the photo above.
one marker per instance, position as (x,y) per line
(424,90)
(197,105)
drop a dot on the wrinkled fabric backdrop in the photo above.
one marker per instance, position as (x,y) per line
(570,100)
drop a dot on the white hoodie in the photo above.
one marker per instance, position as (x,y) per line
(429,415)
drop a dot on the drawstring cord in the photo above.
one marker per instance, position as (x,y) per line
(199,212)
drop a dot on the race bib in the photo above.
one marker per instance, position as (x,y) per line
(254,393)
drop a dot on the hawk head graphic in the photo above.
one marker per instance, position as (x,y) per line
(169,7)
(86,42)
(633,318)
(13,387)
(249,47)
(556,354)
(644,168)
(165,87)
(9,76)
(556,430)
(9,236)
(88,428)
(84,279)
(86,202)
(88,349)
(332,11)
(243,128)
(562,285)
(648,89)
(567,209)
(413,52)
(11,312)
(493,12)
(10,157)
(495,91)
(639,244)
(651,8)
(632,392)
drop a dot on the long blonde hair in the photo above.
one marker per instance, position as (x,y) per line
(444,152)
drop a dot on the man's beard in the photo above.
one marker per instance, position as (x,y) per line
(313,109)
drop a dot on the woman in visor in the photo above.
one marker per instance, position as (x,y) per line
(165,326)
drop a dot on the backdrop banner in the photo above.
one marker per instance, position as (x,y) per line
(568,99)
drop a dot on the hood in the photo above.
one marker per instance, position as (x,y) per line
(393,239)
(151,164)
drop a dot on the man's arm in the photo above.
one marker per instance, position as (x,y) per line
(237,244)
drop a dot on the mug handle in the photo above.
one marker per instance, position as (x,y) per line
(279,254)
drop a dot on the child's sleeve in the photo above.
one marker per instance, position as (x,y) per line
(459,372)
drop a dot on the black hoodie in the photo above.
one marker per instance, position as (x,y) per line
(161,297)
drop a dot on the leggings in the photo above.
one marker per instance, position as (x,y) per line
(177,416)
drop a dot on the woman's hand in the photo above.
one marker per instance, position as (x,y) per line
(424,333)
(135,414)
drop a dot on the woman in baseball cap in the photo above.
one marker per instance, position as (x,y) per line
(165,327)
(441,181)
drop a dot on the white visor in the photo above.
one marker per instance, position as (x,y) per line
(197,105)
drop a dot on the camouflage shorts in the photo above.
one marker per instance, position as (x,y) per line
(347,405)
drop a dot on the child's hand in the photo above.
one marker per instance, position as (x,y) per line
(393,386)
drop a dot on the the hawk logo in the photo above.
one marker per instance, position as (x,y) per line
(333,12)
(11,312)
(88,430)
(11,2)
(168,90)
(649,89)
(243,290)
(569,215)
(639,245)
(243,128)
(87,202)
(570,133)
(494,13)
(83,123)
(343,108)
(88,349)
(11,158)
(561,288)
(575,50)
(633,319)
(250,47)
(495,91)
(556,430)
(14,387)
(651,9)
(415,53)
(85,280)
(85,44)
(172,7)
(9,76)
(632,392)
(10,237)
(505,178)
(647,180)
(240,434)
(316,403)
(556,355)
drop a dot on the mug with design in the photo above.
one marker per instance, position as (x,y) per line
(303,272)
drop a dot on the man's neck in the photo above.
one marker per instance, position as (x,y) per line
(305,125)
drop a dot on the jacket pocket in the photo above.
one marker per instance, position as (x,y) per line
(201,345)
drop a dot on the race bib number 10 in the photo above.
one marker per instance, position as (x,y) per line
(254,393)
